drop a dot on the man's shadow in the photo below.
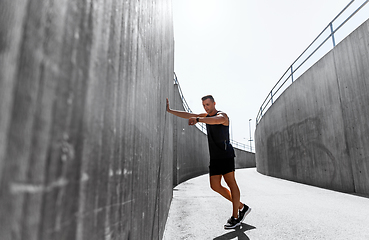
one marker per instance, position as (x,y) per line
(238,232)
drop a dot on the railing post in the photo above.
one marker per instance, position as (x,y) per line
(332,34)
(292,73)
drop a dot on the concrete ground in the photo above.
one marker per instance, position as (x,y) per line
(280,210)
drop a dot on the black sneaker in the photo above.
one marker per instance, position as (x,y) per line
(242,214)
(232,223)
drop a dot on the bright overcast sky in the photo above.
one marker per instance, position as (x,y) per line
(237,50)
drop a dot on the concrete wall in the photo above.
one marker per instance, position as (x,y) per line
(85,142)
(190,148)
(86,146)
(244,159)
(317,131)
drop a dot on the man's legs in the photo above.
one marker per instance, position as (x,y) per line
(233,195)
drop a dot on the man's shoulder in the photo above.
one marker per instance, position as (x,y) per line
(222,113)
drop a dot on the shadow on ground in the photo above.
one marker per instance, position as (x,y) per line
(237,232)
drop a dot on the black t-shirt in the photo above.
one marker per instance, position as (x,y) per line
(218,139)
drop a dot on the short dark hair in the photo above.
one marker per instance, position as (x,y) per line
(208,97)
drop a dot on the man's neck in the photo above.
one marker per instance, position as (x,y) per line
(213,113)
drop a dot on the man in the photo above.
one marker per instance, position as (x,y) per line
(221,156)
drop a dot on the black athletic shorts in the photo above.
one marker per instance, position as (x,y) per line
(221,166)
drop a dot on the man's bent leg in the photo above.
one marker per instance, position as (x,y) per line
(235,192)
(215,184)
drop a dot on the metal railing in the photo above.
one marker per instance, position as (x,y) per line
(202,126)
(300,61)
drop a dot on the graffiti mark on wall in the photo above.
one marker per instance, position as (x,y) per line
(298,151)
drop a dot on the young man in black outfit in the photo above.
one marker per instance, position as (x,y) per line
(221,156)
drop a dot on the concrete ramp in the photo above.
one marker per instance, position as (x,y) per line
(280,210)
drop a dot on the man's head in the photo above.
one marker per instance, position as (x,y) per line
(209,104)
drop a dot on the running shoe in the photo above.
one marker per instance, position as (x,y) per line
(242,214)
(232,223)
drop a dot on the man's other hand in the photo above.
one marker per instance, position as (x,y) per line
(192,121)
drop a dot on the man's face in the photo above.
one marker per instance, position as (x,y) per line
(208,105)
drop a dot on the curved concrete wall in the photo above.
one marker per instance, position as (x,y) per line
(244,159)
(85,141)
(86,146)
(317,131)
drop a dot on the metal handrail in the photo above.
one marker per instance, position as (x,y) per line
(292,70)
(202,126)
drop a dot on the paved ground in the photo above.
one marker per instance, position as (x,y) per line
(280,210)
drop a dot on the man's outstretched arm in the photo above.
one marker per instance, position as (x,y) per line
(220,118)
(183,114)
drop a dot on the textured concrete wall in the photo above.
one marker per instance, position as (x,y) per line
(190,148)
(244,159)
(85,142)
(86,146)
(317,131)
(352,64)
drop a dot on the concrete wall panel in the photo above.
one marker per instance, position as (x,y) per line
(244,159)
(86,148)
(315,132)
(352,61)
